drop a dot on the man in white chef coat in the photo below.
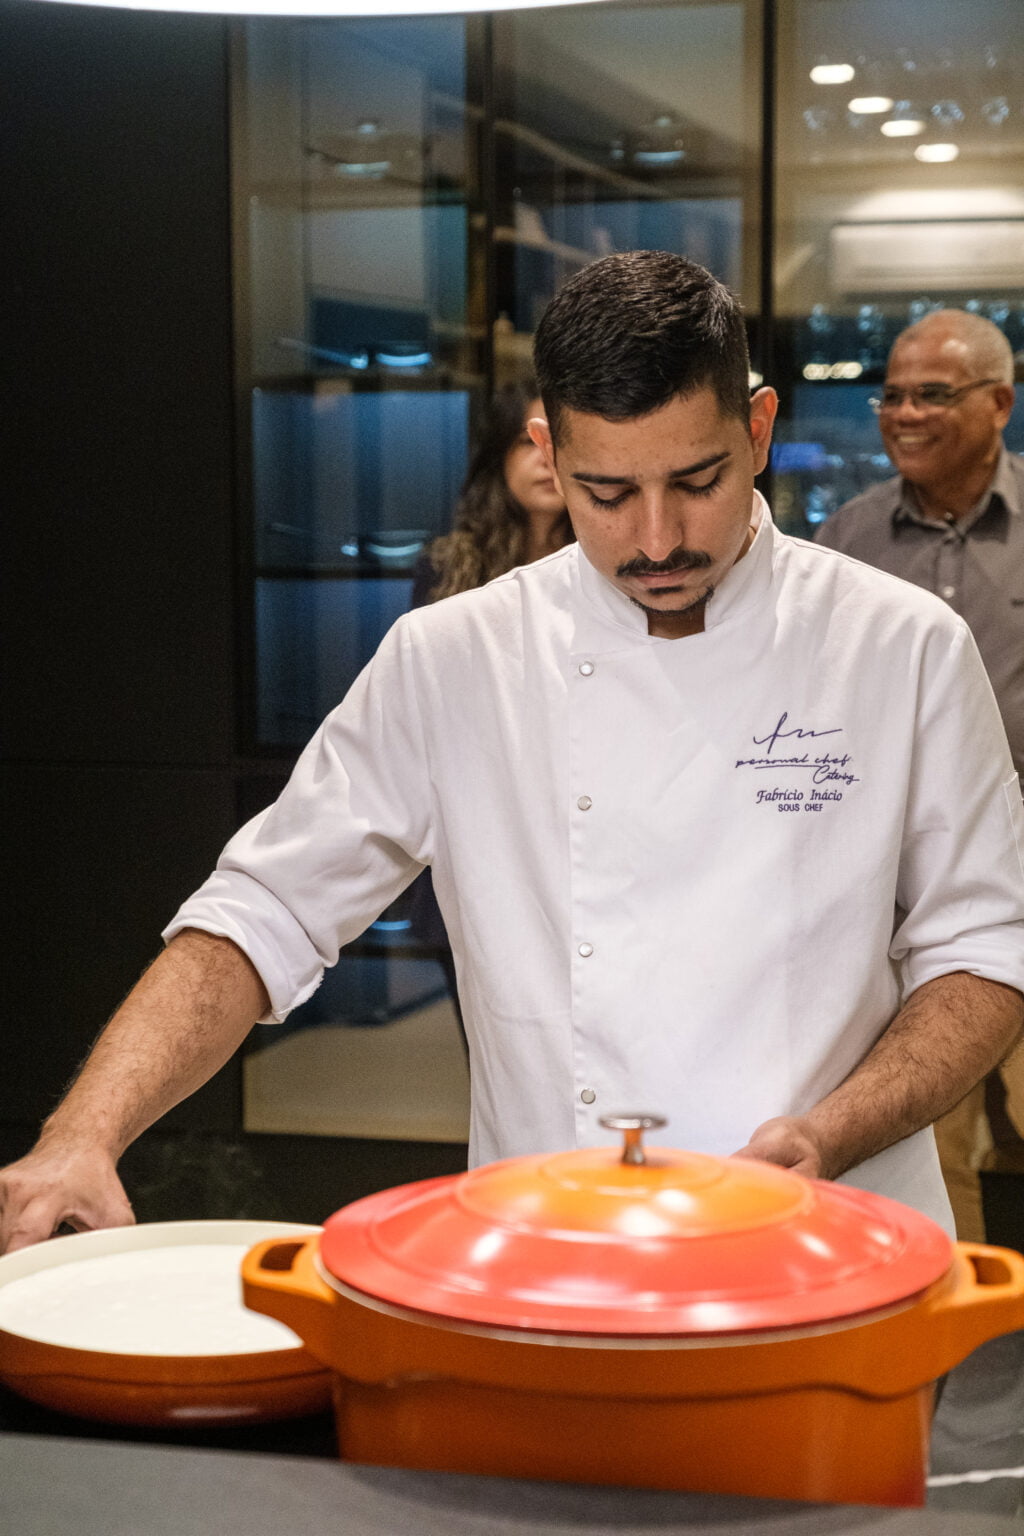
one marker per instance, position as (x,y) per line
(720,822)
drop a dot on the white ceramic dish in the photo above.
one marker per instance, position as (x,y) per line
(146,1324)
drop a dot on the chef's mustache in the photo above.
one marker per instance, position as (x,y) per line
(678,560)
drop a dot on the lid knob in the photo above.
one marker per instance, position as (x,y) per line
(632,1128)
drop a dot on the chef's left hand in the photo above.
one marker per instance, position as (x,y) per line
(791,1142)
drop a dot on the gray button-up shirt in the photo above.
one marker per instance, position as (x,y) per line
(975,564)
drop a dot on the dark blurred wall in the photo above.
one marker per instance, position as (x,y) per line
(117,611)
(119,765)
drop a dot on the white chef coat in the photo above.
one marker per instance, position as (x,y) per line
(691,876)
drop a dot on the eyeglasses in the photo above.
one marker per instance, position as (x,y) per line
(926,397)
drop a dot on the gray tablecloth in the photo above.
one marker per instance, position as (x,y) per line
(61,1487)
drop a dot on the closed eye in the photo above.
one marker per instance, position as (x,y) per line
(700,490)
(609,502)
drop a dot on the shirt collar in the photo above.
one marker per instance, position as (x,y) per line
(1003,486)
(743,582)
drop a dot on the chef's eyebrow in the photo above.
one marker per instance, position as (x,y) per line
(673,474)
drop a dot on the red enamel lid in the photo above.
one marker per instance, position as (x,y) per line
(677,1244)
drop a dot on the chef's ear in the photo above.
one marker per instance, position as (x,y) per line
(764,404)
(540,434)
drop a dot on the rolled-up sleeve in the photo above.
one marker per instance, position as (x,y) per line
(350,830)
(961,880)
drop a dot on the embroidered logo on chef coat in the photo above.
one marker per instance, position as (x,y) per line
(810,778)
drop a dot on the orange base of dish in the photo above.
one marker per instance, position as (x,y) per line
(821,1445)
(146,1405)
(164,1392)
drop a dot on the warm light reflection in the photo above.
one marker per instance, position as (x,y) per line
(642,1221)
(868,104)
(487,1247)
(680,1202)
(832,74)
(815,1244)
(902,127)
(816,372)
(994,202)
(936,153)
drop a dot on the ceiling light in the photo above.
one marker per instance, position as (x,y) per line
(832,74)
(817,372)
(870,104)
(936,153)
(327,7)
(902,127)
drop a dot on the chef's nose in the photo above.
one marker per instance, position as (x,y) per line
(657,530)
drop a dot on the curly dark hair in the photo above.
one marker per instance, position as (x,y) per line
(490,530)
(629,332)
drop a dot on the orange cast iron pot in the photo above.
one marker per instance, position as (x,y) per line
(672,1321)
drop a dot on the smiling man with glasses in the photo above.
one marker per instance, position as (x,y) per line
(952,520)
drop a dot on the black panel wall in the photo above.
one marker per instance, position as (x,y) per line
(118,716)
(118,768)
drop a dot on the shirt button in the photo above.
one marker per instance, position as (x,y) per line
(588,1096)
(585,950)
(947,592)
(586,668)
(584,802)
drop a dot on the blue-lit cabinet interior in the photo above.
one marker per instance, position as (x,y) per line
(358,163)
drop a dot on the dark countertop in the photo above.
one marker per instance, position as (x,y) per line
(84,1487)
(63,1476)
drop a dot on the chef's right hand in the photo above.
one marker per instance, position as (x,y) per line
(55,1185)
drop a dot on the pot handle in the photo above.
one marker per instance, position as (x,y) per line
(280,1278)
(986,1300)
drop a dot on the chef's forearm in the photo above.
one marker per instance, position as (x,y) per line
(181,1022)
(949,1034)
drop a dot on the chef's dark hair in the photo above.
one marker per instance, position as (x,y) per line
(630,332)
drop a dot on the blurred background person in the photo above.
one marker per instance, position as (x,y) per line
(510,512)
(952,520)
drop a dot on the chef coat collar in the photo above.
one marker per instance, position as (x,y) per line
(743,583)
(1001,492)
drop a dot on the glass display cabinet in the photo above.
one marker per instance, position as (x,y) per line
(410,193)
(358,166)
(628,127)
(362,358)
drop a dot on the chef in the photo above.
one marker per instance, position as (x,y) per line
(722,824)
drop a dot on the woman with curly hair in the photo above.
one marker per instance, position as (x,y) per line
(510,512)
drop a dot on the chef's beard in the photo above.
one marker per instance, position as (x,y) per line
(681,560)
(697,606)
